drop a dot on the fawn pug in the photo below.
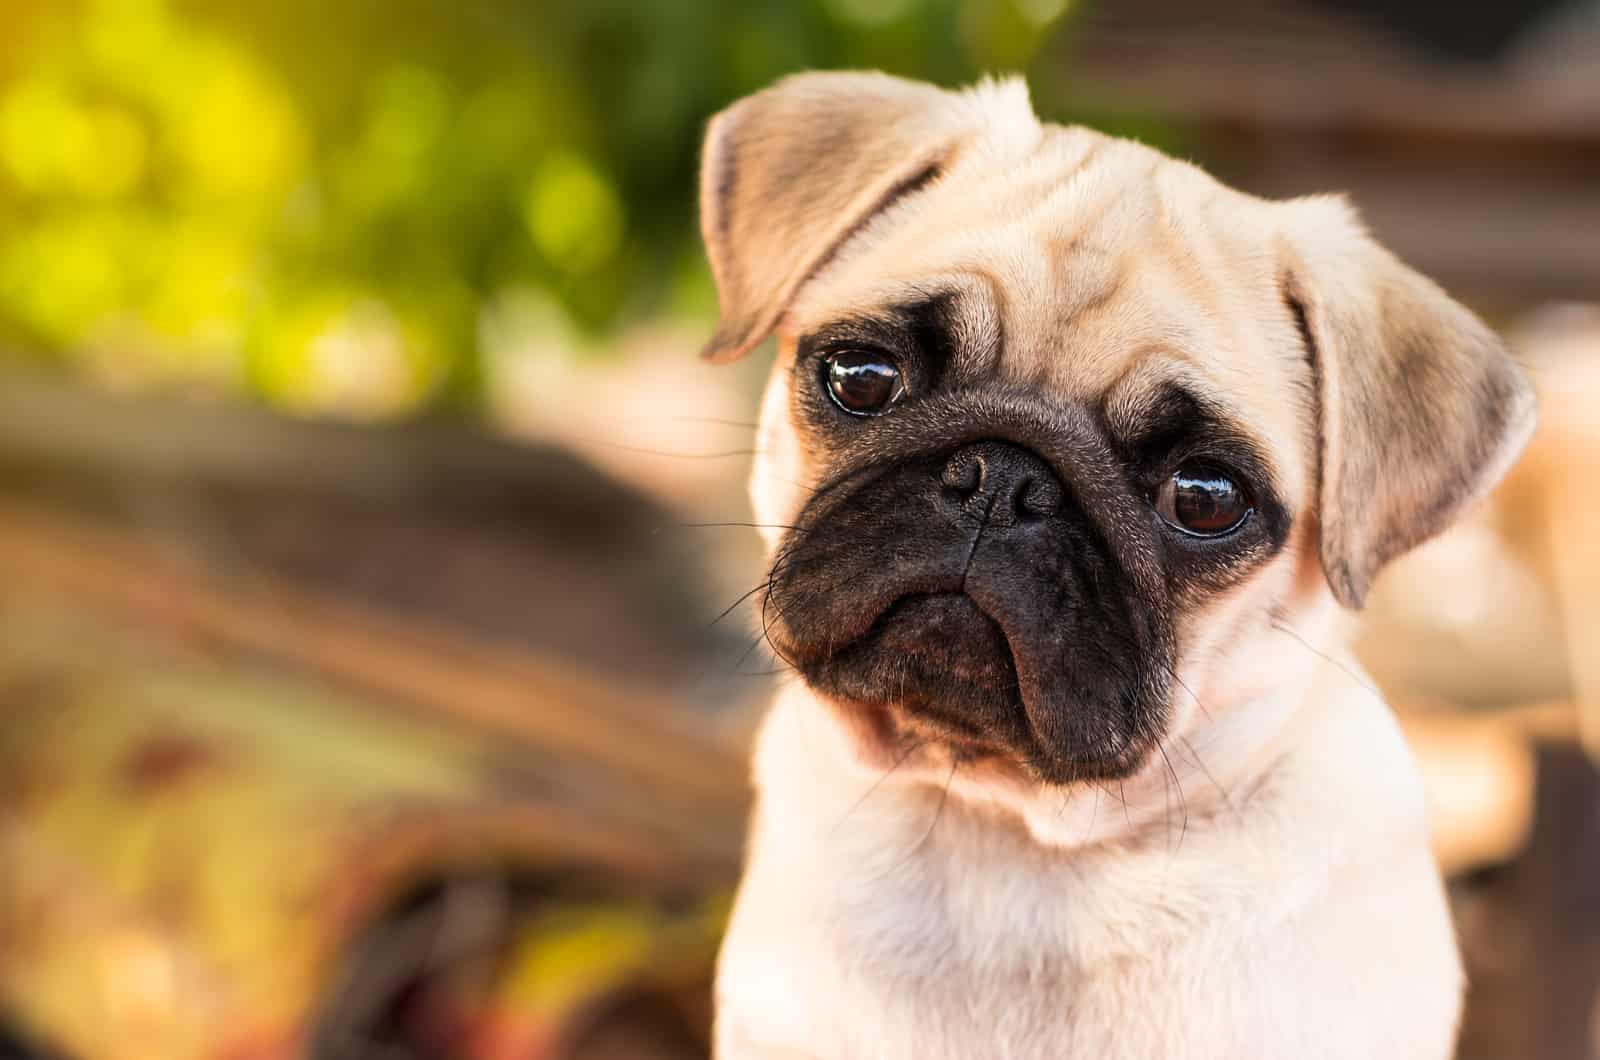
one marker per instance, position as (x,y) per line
(1071,463)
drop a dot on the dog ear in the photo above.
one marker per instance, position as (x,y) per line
(788,174)
(1421,408)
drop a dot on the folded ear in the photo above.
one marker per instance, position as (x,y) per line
(790,173)
(1421,408)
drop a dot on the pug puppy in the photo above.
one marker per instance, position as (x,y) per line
(1071,463)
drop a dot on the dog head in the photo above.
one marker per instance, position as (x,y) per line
(1061,429)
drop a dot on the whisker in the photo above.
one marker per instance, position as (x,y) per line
(898,762)
(729,609)
(766,632)
(1094,815)
(1173,673)
(647,451)
(1195,757)
(700,419)
(1283,627)
(754,644)
(718,526)
(1183,802)
(1120,799)
(938,814)
(778,567)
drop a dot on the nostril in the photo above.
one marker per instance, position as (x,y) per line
(964,474)
(1002,482)
(1036,498)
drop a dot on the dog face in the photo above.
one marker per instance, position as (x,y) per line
(1061,430)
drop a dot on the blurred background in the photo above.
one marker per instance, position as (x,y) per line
(374,666)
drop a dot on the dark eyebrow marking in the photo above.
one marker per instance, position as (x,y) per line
(923,331)
(1170,415)
(1169,410)
(932,327)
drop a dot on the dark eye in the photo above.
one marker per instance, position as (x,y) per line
(1203,501)
(861,382)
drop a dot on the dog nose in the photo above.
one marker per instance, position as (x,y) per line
(1005,481)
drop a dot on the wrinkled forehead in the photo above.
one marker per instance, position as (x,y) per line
(1096,270)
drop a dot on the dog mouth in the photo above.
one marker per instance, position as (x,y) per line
(993,620)
(939,668)
(934,669)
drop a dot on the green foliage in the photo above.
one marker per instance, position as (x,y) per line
(323,202)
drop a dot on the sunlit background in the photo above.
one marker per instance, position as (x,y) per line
(370,210)
(373,656)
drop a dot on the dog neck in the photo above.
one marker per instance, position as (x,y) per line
(1201,839)
(1189,780)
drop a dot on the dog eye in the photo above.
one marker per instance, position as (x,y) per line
(1202,501)
(862,382)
